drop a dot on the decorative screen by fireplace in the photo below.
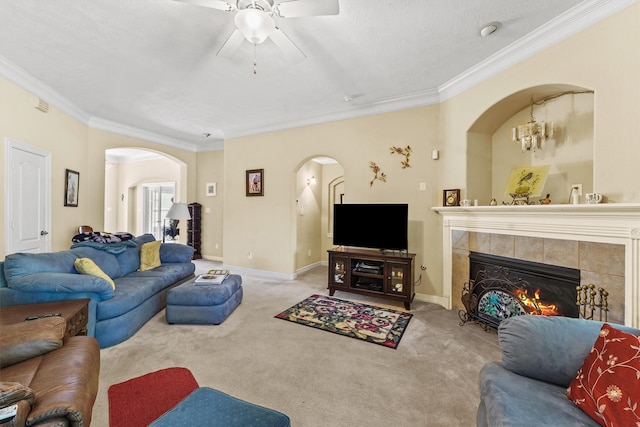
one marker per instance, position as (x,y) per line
(501,287)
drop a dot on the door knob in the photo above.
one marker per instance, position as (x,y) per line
(44,233)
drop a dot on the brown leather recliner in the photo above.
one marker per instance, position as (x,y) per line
(53,380)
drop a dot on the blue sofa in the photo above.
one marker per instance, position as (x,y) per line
(540,357)
(114,315)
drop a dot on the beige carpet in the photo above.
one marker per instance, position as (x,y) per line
(315,377)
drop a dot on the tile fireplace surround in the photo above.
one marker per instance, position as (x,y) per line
(602,240)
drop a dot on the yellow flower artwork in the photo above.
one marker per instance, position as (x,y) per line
(527,181)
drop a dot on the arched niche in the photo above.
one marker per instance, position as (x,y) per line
(491,153)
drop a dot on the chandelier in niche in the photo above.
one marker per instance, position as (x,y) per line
(532,135)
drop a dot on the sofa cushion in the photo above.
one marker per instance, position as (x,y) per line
(25,340)
(150,255)
(102,258)
(131,292)
(172,252)
(21,264)
(87,266)
(606,386)
(547,348)
(129,260)
(509,399)
(54,283)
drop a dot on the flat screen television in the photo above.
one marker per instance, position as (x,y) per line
(372,225)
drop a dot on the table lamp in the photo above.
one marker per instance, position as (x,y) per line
(177,211)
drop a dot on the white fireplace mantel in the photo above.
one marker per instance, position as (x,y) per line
(615,223)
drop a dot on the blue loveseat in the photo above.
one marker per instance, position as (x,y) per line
(114,314)
(540,357)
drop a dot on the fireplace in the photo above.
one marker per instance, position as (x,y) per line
(601,240)
(501,287)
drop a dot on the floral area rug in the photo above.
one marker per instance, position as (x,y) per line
(366,322)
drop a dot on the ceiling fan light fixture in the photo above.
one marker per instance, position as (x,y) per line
(255,25)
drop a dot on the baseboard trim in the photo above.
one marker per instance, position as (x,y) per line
(434,299)
(260,273)
(212,258)
(310,267)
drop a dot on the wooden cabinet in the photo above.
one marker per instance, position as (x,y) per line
(369,272)
(193,229)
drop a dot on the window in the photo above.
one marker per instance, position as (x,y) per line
(157,199)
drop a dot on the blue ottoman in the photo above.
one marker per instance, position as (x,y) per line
(208,407)
(204,304)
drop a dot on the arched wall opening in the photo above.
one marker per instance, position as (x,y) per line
(492,154)
(319,184)
(126,170)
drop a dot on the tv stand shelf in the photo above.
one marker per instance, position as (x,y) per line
(370,272)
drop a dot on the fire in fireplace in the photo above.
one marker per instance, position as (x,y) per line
(501,287)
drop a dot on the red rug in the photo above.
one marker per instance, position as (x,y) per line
(139,401)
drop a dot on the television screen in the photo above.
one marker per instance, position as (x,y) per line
(375,225)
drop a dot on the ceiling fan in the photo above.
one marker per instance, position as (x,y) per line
(254,21)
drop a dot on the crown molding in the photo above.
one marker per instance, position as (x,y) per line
(563,26)
(572,21)
(402,102)
(121,129)
(30,83)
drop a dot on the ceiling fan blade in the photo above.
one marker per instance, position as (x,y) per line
(297,8)
(213,4)
(231,45)
(290,50)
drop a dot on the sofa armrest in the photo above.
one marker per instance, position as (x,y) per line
(63,282)
(172,252)
(66,383)
(549,349)
(25,340)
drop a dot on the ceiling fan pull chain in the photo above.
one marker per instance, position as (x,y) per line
(255,68)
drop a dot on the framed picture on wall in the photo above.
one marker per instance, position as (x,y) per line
(255,182)
(451,197)
(71,186)
(211,189)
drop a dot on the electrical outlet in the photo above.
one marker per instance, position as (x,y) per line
(309,252)
(217,246)
(423,186)
(577,187)
(250,256)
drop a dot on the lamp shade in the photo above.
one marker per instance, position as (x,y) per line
(179,211)
(254,24)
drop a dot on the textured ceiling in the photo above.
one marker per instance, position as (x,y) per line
(151,64)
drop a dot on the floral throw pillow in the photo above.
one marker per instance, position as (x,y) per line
(607,386)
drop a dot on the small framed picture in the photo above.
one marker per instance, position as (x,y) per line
(255,182)
(211,189)
(71,186)
(451,197)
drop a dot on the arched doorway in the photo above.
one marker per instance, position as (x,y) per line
(319,183)
(140,186)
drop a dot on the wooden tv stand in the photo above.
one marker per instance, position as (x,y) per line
(371,272)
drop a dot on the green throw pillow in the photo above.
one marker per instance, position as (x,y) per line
(150,255)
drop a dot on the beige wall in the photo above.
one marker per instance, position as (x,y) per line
(66,140)
(353,143)
(603,58)
(73,145)
(210,168)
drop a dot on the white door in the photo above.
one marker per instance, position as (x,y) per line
(28,195)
